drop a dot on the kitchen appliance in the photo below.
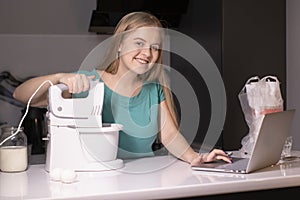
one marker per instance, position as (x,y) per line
(107,14)
(77,139)
(35,129)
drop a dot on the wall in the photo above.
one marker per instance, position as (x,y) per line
(39,37)
(245,38)
(254,40)
(203,23)
(293,63)
(45,16)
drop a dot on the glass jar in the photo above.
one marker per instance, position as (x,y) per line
(13,152)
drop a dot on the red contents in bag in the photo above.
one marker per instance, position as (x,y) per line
(267,111)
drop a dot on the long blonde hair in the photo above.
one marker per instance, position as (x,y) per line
(130,22)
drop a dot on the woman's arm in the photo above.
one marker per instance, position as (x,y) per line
(177,145)
(76,83)
(24,91)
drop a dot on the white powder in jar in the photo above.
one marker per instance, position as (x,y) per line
(13,158)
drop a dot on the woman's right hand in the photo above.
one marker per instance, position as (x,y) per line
(76,83)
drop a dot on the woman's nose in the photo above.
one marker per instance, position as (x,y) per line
(147,51)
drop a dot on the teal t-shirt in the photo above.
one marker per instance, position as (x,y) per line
(138,115)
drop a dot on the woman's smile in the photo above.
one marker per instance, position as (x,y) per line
(142,60)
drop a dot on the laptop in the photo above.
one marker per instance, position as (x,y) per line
(266,150)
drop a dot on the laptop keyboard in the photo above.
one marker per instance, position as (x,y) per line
(237,164)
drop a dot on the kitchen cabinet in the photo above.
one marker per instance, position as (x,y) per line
(244,38)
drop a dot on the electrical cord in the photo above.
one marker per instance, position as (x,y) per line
(27,108)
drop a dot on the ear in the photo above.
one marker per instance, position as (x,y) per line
(120,47)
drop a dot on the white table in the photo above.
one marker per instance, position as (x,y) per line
(146,178)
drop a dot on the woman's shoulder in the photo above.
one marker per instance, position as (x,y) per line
(153,85)
(97,73)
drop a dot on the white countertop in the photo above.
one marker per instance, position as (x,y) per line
(147,178)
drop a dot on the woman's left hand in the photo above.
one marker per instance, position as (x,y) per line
(215,154)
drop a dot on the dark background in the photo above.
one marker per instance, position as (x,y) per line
(244,38)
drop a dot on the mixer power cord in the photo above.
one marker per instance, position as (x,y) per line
(27,108)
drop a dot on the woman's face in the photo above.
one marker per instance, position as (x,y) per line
(140,49)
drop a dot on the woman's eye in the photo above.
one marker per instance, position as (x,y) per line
(155,47)
(139,43)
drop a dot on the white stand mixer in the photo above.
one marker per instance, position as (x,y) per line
(77,139)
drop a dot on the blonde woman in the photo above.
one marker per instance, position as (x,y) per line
(136,92)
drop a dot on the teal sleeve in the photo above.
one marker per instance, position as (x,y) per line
(88,73)
(161,94)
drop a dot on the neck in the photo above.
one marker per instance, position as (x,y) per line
(126,77)
(123,82)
